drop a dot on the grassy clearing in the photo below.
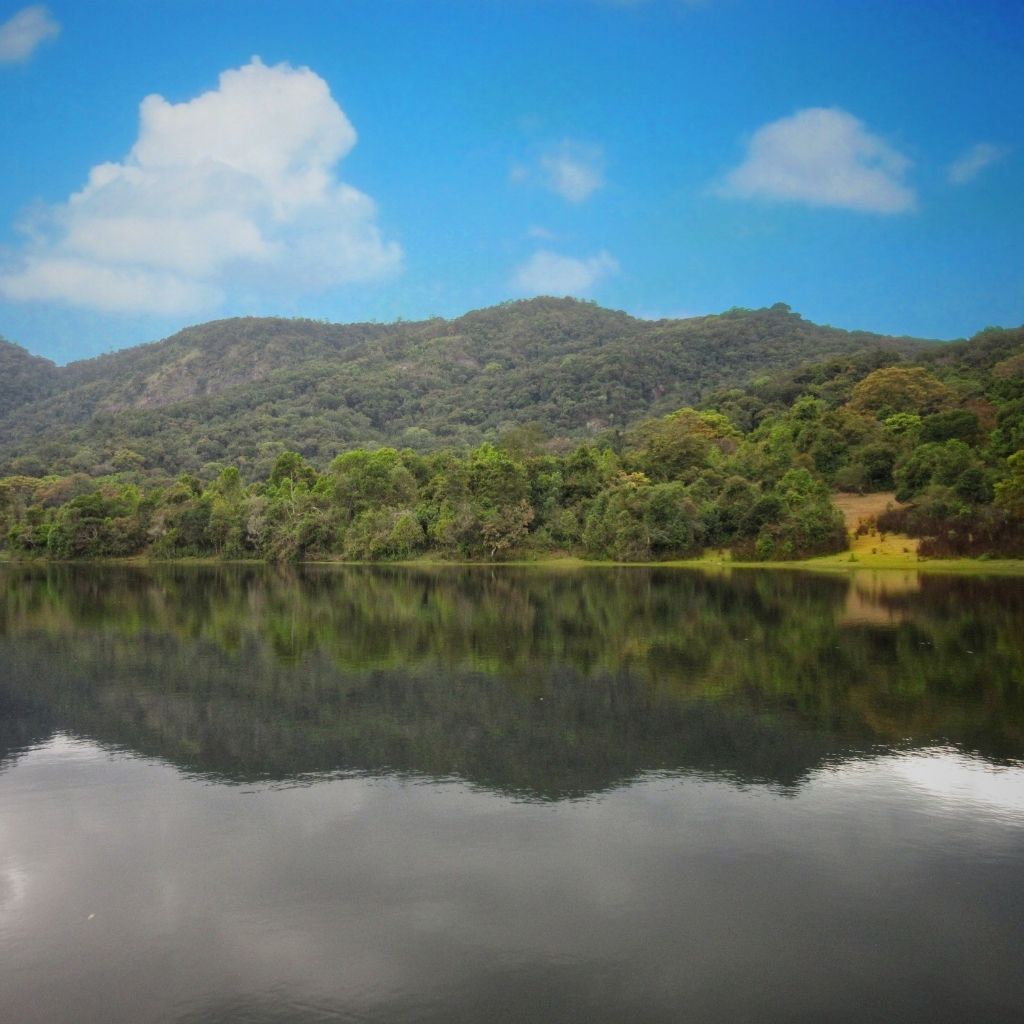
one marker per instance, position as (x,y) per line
(863,508)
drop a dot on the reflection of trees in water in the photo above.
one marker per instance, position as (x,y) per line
(550,683)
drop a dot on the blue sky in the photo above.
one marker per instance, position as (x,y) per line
(169,163)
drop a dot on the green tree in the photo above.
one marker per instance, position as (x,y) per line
(1009,493)
(894,389)
(371,480)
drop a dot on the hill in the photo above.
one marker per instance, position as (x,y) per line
(24,377)
(752,471)
(243,390)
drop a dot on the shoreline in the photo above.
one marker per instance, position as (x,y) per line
(843,562)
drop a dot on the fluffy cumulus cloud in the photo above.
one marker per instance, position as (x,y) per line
(822,157)
(548,273)
(21,34)
(573,170)
(232,192)
(969,165)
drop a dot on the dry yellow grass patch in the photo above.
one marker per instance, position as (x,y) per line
(861,509)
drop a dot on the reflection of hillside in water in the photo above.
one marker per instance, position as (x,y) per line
(544,683)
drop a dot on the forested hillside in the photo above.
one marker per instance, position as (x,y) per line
(753,470)
(24,378)
(945,431)
(592,455)
(242,391)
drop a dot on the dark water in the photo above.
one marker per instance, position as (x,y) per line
(479,795)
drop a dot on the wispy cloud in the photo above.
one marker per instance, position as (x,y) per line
(548,273)
(822,157)
(231,192)
(24,32)
(970,164)
(574,170)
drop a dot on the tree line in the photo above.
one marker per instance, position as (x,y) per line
(677,487)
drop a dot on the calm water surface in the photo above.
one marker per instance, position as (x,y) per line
(470,795)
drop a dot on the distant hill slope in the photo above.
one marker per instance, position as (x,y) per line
(241,390)
(24,377)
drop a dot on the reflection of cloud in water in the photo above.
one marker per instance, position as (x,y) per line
(381,899)
(958,779)
(13,886)
(66,749)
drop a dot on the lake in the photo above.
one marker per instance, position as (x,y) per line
(482,794)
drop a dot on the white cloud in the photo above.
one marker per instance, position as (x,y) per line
(573,170)
(971,163)
(548,273)
(21,34)
(822,157)
(230,191)
(113,290)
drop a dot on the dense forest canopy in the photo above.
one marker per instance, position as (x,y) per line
(534,427)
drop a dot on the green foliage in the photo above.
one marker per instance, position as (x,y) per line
(1009,493)
(636,521)
(933,463)
(377,534)
(677,446)
(108,522)
(954,424)
(292,466)
(24,378)
(798,520)
(895,389)
(367,480)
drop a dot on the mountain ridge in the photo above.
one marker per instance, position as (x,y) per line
(242,388)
